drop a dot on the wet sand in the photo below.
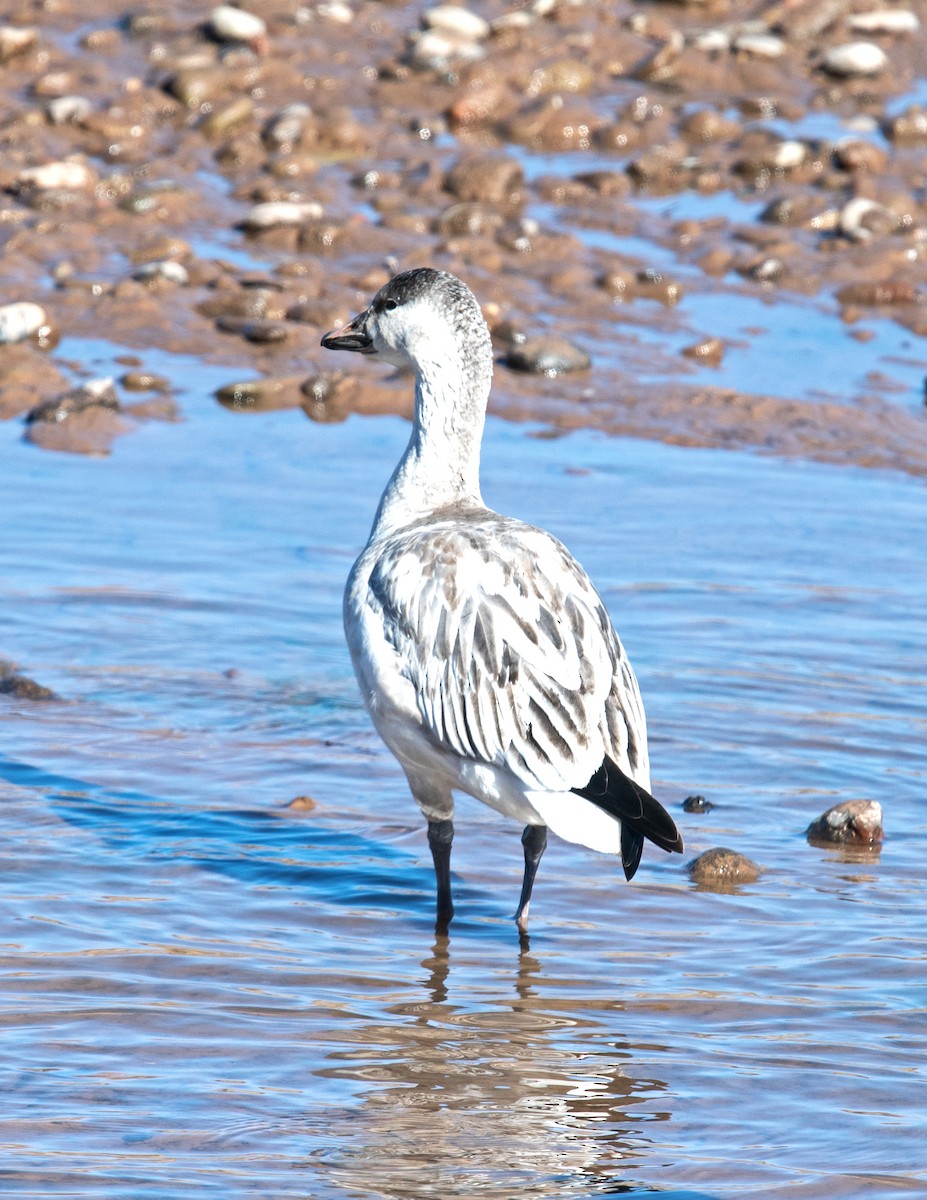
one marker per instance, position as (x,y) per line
(143,148)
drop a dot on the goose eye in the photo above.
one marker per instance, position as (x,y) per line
(389,305)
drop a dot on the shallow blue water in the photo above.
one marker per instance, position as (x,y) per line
(207,992)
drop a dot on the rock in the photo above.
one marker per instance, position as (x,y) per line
(788,155)
(760,45)
(97,393)
(854,154)
(455,21)
(696,804)
(489,178)
(855,822)
(547,355)
(227,117)
(328,396)
(563,75)
(85,420)
(886,292)
(709,351)
(15,41)
(21,320)
(436,50)
(862,219)
(63,110)
(855,58)
(66,175)
(259,395)
(302,804)
(261,332)
(653,285)
(468,219)
(720,868)
(12,683)
(144,381)
(908,127)
(281,212)
(285,129)
(335,11)
(230,24)
(885,20)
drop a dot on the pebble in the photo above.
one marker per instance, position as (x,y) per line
(855,58)
(165,268)
(259,395)
(62,110)
(144,381)
(287,126)
(720,867)
(854,154)
(282,212)
(710,350)
(760,45)
(437,50)
(95,393)
(230,24)
(489,178)
(12,683)
(340,14)
(21,320)
(696,804)
(15,41)
(457,21)
(547,355)
(327,397)
(788,155)
(261,332)
(909,126)
(885,20)
(712,41)
(857,822)
(65,175)
(862,219)
(888,291)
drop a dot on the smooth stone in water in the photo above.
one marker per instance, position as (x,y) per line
(855,58)
(259,395)
(168,269)
(696,804)
(64,109)
(456,21)
(230,24)
(760,45)
(282,212)
(857,822)
(545,355)
(54,176)
(885,20)
(720,868)
(21,320)
(862,219)
(15,40)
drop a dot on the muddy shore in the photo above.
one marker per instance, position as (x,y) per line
(229,184)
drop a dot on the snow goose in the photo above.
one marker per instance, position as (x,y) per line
(484,654)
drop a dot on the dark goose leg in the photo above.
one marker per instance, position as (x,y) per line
(534,840)
(440,837)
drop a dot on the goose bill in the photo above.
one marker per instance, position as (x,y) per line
(353,336)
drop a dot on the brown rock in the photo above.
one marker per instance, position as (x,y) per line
(858,822)
(720,868)
(487,178)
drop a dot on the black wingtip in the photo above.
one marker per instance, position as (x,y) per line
(641,815)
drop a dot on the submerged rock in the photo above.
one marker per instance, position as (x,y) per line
(547,355)
(696,804)
(12,683)
(855,58)
(721,868)
(854,822)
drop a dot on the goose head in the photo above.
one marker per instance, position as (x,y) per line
(418,317)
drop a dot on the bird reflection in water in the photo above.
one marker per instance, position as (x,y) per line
(506,1087)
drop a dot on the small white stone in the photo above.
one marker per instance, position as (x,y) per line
(436,49)
(67,175)
(165,268)
(15,40)
(855,58)
(760,45)
(712,41)
(282,212)
(858,214)
(340,14)
(235,24)
(456,21)
(63,109)
(287,126)
(20,320)
(789,154)
(512,20)
(885,20)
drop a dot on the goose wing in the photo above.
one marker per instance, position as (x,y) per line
(510,651)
